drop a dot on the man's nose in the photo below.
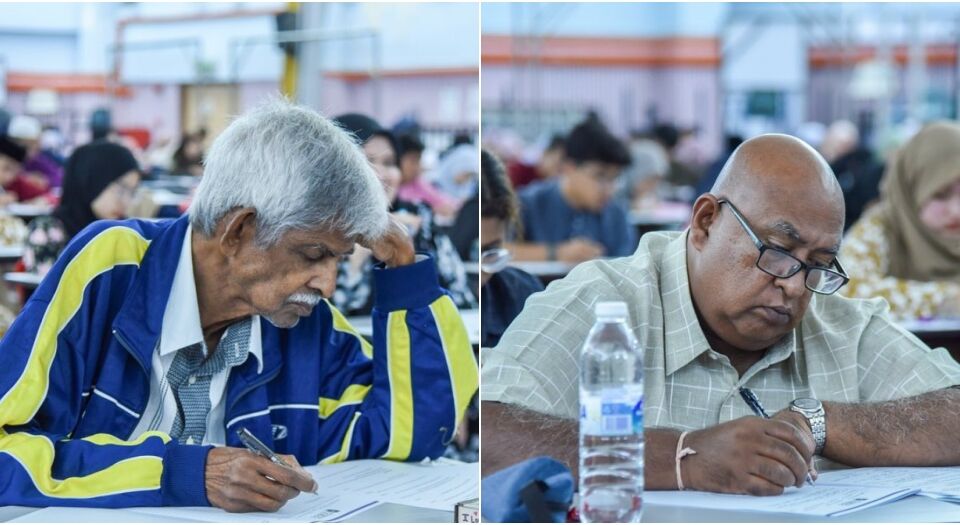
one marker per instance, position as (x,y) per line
(793,286)
(325,278)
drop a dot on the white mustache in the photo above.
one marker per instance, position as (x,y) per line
(305,298)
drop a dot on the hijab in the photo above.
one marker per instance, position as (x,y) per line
(89,171)
(926,164)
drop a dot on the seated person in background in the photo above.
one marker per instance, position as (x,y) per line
(548,165)
(505,289)
(356,286)
(11,159)
(28,184)
(573,217)
(906,248)
(744,298)
(39,168)
(149,342)
(455,173)
(100,181)
(413,187)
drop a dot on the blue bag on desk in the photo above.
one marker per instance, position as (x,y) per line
(536,490)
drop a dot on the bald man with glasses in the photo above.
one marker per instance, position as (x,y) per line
(744,298)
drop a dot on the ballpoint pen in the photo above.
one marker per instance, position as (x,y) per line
(754,403)
(257,447)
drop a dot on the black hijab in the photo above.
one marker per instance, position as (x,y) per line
(88,171)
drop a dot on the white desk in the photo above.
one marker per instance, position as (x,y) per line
(912,509)
(10,253)
(385,513)
(28,211)
(28,279)
(545,269)
(168,198)
(471,318)
(932,326)
(666,214)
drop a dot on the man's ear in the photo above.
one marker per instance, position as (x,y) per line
(239,230)
(705,213)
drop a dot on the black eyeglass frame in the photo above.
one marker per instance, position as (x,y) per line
(799,266)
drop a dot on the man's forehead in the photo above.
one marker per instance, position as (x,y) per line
(810,237)
(330,238)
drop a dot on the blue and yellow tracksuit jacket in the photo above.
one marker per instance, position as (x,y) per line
(75,378)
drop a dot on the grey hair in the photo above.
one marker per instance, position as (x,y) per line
(297,169)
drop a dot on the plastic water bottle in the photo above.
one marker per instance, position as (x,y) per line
(611,420)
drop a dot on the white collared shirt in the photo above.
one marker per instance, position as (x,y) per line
(181,328)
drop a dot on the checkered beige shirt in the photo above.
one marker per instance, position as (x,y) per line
(844,349)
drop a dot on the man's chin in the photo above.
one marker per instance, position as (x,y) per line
(283,320)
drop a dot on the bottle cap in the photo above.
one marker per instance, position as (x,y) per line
(608,309)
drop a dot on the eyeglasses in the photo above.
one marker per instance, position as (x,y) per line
(495,260)
(780,264)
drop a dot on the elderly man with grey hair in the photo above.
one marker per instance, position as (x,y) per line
(130,372)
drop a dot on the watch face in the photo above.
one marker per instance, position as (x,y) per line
(805,403)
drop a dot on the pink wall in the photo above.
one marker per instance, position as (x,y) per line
(685,96)
(441,100)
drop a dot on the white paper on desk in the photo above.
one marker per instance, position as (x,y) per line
(439,485)
(304,508)
(940,482)
(819,500)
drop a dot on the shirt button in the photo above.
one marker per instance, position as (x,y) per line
(192,380)
(190,440)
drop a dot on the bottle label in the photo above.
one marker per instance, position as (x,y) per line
(612,412)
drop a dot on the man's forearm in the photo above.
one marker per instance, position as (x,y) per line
(914,431)
(510,435)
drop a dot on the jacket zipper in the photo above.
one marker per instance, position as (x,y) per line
(252,386)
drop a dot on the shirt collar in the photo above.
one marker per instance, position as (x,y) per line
(181,317)
(684,339)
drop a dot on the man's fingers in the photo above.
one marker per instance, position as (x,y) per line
(758,486)
(292,477)
(263,503)
(786,454)
(772,470)
(791,434)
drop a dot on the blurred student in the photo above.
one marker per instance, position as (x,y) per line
(548,165)
(456,173)
(858,170)
(188,158)
(355,291)
(505,289)
(33,180)
(11,159)
(573,217)
(906,248)
(679,173)
(100,181)
(413,186)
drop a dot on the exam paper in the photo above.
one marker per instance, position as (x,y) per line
(939,482)
(304,508)
(437,485)
(819,500)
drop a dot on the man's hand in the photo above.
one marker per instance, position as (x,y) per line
(394,248)
(749,455)
(238,480)
(579,250)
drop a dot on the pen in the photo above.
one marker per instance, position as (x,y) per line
(257,447)
(754,403)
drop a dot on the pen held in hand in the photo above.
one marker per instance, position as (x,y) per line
(754,403)
(257,447)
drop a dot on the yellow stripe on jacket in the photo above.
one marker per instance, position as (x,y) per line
(112,247)
(464,375)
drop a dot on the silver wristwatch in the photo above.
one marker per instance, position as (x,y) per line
(812,409)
